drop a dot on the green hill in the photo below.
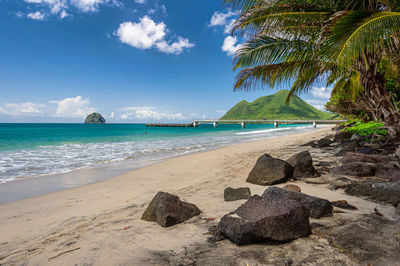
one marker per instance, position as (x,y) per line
(273,107)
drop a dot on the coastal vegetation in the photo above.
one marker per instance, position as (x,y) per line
(353,46)
(273,107)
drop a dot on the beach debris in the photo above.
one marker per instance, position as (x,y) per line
(388,192)
(64,252)
(269,171)
(302,164)
(292,187)
(263,220)
(167,210)
(316,206)
(355,169)
(232,194)
(343,204)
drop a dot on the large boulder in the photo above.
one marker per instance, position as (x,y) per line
(262,220)
(232,194)
(302,164)
(324,142)
(95,118)
(388,192)
(269,171)
(346,147)
(389,171)
(355,169)
(317,207)
(167,209)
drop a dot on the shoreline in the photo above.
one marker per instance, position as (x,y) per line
(34,186)
(99,224)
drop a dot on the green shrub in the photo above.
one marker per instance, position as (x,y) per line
(364,129)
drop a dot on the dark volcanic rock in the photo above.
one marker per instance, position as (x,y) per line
(346,147)
(316,206)
(368,150)
(312,143)
(389,171)
(398,208)
(269,171)
(355,169)
(95,118)
(167,209)
(343,204)
(342,136)
(232,194)
(388,192)
(302,164)
(323,163)
(365,158)
(262,220)
(324,142)
(291,187)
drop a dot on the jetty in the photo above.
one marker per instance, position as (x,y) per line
(243,123)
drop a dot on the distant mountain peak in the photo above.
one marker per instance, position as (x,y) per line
(274,107)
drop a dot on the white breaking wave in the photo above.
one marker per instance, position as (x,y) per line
(47,160)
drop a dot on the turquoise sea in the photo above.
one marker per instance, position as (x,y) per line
(31,150)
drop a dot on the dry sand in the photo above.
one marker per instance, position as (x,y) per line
(99,224)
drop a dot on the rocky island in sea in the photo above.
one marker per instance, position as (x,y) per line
(95,118)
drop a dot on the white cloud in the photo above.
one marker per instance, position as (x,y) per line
(229,46)
(140,1)
(73,107)
(220,19)
(36,15)
(134,108)
(228,27)
(147,34)
(319,104)
(60,7)
(153,115)
(21,109)
(322,92)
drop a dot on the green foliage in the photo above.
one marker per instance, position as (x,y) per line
(273,107)
(364,129)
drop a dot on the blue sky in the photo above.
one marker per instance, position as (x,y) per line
(130,60)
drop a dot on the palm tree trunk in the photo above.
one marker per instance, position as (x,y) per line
(379,101)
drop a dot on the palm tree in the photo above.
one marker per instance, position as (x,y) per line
(301,42)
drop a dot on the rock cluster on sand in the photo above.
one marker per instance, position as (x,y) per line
(167,209)
(260,219)
(317,207)
(269,171)
(302,164)
(232,194)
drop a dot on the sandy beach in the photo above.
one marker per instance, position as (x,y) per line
(99,224)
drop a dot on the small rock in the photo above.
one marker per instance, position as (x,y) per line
(167,209)
(388,192)
(312,143)
(324,142)
(356,138)
(269,171)
(216,234)
(368,150)
(346,147)
(302,164)
(342,136)
(343,204)
(316,206)
(398,208)
(232,194)
(322,163)
(325,169)
(261,220)
(355,169)
(292,187)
